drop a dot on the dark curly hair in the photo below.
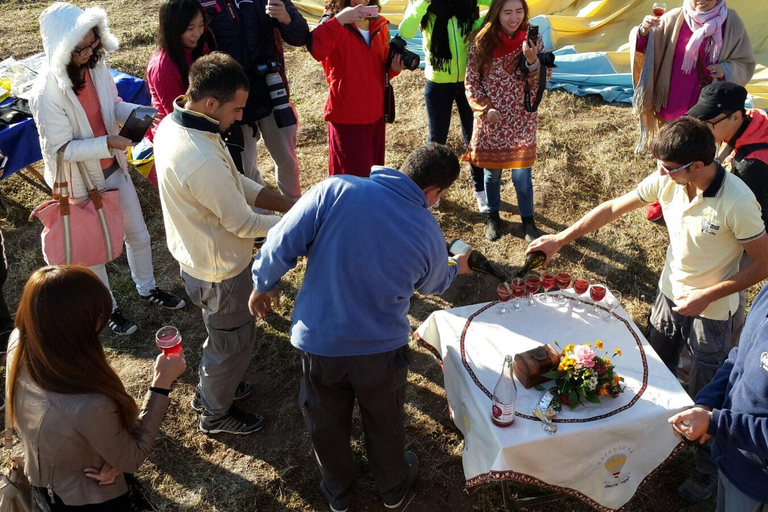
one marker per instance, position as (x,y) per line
(73,70)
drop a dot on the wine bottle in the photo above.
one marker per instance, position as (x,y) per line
(505,396)
(477,261)
(533,260)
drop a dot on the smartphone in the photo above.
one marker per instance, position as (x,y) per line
(138,123)
(533,34)
(369,11)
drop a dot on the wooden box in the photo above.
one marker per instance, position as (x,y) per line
(530,365)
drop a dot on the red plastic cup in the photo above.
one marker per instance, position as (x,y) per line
(168,340)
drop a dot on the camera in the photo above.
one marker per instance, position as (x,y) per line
(397,46)
(547,59)
(278,95)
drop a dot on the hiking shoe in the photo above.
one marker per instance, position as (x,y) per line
(531,232)
(164,299)
(482,201)
(234,422)
(413,462)
(121,325)
(244,389)
(493,226)
(698,487)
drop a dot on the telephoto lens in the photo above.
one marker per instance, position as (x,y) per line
(398,46)
(284,115)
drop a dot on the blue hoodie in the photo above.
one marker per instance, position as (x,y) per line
(370,243)
(738,395)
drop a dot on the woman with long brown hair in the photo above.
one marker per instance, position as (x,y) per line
(501,62)
(79,427)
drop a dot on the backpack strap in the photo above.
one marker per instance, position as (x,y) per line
(748,149)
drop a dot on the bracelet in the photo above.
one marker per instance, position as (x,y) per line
(160,391)
(530,64)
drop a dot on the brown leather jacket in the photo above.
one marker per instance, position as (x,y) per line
(64,434)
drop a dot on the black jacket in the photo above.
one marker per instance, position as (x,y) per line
(252,37)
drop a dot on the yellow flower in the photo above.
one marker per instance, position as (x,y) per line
(588,345)
(599,344)
(616,352)
(607,361)
(568,348)
(616,380)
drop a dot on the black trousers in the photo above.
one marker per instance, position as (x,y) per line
(119,504)
(329,387)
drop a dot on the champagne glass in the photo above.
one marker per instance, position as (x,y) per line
(597,293)
(563,282)
(518,290)
(613,301)
(580,287)
(532,284)
(659,8)
(548,280)
(168,340)
(504,293)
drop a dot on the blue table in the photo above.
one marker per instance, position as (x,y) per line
(21,144)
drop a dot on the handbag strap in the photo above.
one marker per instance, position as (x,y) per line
(10,362)
(93,192)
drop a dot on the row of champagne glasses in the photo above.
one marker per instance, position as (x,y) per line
(531,284)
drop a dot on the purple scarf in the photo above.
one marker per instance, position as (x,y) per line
(704,25)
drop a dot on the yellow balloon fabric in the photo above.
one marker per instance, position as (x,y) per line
(604,25)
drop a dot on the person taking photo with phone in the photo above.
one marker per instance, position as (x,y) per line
(352,43)
(446,26)
(502,62)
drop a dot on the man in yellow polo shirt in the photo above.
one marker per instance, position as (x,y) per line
(712,217)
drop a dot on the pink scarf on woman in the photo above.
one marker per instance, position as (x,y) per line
(703,25)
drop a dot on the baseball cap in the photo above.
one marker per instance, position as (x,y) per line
(717,98)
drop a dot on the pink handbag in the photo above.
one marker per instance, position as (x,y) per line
(87,233)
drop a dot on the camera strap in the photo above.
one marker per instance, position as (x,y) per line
(533,107)
(389,94)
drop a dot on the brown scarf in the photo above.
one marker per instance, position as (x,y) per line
(652,70)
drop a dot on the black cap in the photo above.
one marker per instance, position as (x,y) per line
(717,98)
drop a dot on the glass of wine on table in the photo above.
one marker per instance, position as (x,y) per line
(548,281)
(580,287)
(532,284)
(518,290)
(563,280)
(504,293)
(597,293)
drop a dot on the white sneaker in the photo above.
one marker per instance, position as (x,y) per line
(482,203)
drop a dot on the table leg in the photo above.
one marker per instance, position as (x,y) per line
(40,183)
(521,503)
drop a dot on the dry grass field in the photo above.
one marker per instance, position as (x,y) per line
(585,156)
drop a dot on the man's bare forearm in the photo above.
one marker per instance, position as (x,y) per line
(271,200)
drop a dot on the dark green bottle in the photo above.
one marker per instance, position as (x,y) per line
(477,261)
(533,260)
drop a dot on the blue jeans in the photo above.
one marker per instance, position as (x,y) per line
(729,498)
(523,186)
(439,99)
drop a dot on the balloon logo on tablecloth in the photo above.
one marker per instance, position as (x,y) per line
(615,463)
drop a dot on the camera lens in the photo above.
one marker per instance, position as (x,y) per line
(410,60)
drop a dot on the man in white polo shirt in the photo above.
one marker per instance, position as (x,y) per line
(712,217)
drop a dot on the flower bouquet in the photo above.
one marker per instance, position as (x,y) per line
(583,375)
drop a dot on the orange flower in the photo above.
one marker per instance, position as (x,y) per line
(599,344)
(602,391)
(616,352)
(616,380)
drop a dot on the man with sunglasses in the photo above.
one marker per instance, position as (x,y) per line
(712,218)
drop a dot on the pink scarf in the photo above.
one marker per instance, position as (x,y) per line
(703,25)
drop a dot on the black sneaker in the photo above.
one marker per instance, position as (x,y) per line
(244,389)
(164,299)
(531,231)
(698,487)
(493,226)
(234,422)
(413,462)
(121,325)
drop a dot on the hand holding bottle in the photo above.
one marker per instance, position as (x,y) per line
(548,244)
(463,260)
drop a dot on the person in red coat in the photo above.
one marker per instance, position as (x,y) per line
(354,52)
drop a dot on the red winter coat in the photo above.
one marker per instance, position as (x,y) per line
(354,70)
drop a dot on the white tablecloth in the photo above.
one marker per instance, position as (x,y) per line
(601,453)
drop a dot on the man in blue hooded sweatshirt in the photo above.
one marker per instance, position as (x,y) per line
(370,243)
(733,409)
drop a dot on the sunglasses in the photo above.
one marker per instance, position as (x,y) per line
(670,171)
(92,47)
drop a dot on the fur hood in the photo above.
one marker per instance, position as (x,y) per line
(62,27)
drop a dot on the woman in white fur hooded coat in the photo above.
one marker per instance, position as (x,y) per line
(78,112)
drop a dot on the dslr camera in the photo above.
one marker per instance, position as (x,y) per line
(398,46)
(278,95)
